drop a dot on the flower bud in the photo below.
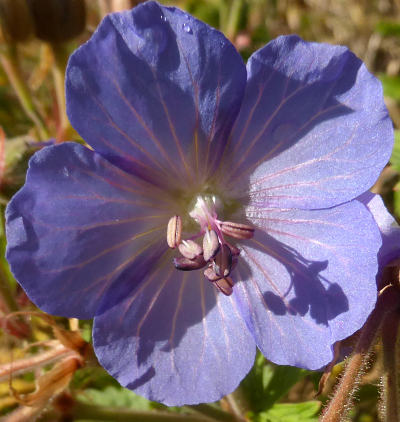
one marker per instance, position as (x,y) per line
(15,19)
(58,20)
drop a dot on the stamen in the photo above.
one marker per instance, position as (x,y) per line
(190,249)
(237,230)
(234,249)
(215,253)
(210,275)
(210,244)
(223,261)
(174,231)
(224,285)
(186,264)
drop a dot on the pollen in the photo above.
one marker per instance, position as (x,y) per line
(174,231)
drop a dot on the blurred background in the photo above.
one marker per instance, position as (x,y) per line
(36,39)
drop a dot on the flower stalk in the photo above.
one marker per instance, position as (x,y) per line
(233,19)
(60,63)
(9,62)
(6,297)
(390,405)
(340,403)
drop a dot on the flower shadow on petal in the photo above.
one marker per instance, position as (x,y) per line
(308,291)
(154,305)
(166,333)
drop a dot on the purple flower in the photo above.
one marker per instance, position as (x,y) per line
(254,172)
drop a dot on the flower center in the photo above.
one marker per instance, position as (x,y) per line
(215,252)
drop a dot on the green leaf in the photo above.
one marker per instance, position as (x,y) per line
(290,412)
(388,28)
(283,379)
(395,158)
(391,86)
(267,383)
(396,202)
(115,397)
(203,10)
(92,377)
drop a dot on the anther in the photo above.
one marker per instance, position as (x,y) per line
(186,264)
(224,285)
(210,274)
(190,249)
(234,249)
(210,244)
(223,261)
(174,231)
(237,230)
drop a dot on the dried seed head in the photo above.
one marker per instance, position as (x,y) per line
(237,230)
(210,275)
(224,285)
(190,249)
(174,231)
(210,244)
(186,264)
(223,261)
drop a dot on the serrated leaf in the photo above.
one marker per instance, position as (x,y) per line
(267,383)
(290,412)
(395,158)
(115,397)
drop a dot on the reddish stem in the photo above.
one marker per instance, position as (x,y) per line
(338,407)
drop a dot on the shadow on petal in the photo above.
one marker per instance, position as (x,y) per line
(146,377)
(308,291)
(156,303)
(166,333)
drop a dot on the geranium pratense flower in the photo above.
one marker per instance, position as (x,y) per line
(216,211)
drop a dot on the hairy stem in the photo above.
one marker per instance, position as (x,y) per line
(390,381)
(339,405)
